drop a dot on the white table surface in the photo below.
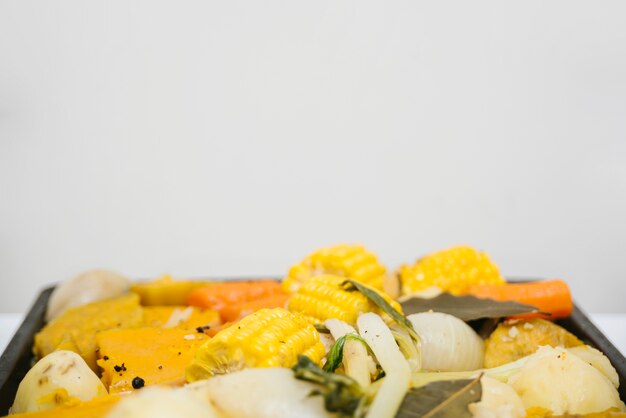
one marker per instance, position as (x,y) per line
(612,325)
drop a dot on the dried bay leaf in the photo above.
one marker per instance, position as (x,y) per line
(466,307)
(448,398)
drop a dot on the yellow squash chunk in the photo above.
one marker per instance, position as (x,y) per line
(265,338)
(155,355)
(166,291)
(181,317)
(512,340)
(452,270)
(76,328)
(345,260)
(96,408)
(323,297)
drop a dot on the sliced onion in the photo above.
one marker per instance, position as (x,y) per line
(397,371)
(447,343)
(356,361)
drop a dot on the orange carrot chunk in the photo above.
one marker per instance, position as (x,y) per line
(220,295)
(552,296)
(237,311)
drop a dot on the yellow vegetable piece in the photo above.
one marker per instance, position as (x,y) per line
(323,297)
(166,291)
(266,338)
(155,355)
(345,260)
(96,408)
(181,317)
(452,270)
(76,328)
(512,340)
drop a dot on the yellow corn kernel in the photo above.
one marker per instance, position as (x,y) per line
(266,338)
(323,297)
(452,270)
(345,260)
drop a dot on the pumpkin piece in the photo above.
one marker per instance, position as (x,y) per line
(95,408)
(515,339)
(181,317)
(76,328)
(166,291)
(155,355)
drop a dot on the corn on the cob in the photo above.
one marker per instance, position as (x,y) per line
(345,260)
(452,270)
(323,297)
(266,338)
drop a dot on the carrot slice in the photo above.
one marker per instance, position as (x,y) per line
(220,295)
(237,311)
(552,296)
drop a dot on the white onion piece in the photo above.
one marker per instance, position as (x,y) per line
(397,378)
(162,402)
(261,393)
(62,373)
(90,286)
(498,400)
(447,343)
(356,362)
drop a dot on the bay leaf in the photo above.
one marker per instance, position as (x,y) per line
(447,398)
(466,307)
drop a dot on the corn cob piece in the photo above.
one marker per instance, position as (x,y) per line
(323,297)
(345,260)
(266,338)
(452,270)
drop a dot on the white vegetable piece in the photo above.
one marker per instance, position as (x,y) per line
(397,370)
(87,287)
(55,380)
(447,343)
(597,360)
(162,402)
(356,361)
(261,393)
(498,400)
(560,381)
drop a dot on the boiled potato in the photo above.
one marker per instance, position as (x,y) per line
(162,402)
(87,287)
(498,400)
(60,378)
(560,381)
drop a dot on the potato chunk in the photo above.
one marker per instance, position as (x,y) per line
(513,340)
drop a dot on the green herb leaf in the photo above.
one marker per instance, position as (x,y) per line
(335,354)
(321,328)
(341,393)
(449,398)
(466,307)
(385,306)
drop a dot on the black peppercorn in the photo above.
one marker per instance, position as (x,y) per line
(138,382)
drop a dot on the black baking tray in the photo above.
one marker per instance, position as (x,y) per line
(18,357)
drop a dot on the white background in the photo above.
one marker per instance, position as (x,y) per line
(232,138)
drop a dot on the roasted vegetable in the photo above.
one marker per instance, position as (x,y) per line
(269,393)
(514,339)
(551,296)
(87,287)
(166,291)
(59,379)
(327,297)
(447,343)
(266,338)
(564,383)
(181,317)
(160,402)
(96,408)
(76,328)
(344,260)
(154,355)
(452,270)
